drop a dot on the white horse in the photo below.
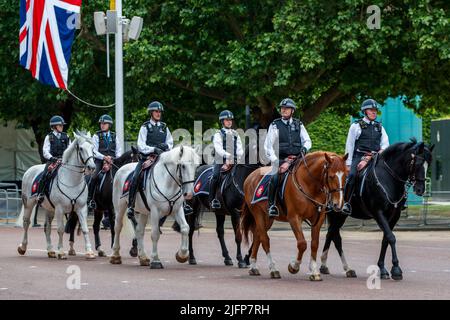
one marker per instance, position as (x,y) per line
(68,194)
(171,180)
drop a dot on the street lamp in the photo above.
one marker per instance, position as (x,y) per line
(124,29)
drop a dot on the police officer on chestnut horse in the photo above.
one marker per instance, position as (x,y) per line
(365,136)
(293,140)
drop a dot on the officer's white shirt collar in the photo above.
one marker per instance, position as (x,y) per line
(366,120)
(153,122)
(289,121)
(227,130)
(56,133)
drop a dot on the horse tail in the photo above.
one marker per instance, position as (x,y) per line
(247,221)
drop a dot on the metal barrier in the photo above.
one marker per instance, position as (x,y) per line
(10,202)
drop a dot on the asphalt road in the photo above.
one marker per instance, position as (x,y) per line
(424,257)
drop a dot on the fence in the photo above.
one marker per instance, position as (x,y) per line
(10,203)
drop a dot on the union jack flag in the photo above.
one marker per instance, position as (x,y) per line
(47,29)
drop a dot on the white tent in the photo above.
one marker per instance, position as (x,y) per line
(18,151)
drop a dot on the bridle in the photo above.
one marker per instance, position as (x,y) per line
(179,182)
(80,157)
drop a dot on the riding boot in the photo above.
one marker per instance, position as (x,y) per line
(273,187)
(41,189)
(348,193)
(215,204)
(91,202)
(133,189)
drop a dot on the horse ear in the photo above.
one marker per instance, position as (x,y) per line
(345,156)
(327,158)
(420,147)
(75,134)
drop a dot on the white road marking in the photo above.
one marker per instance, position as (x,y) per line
(413,271)
(162,279)
(33,267)
(125,281)
(84,284)
(201,277)
(3,288)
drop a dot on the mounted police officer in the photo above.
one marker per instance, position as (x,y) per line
(154,138)
(289,137)
(55,143)
(365,136)
(227,149)
(106,148)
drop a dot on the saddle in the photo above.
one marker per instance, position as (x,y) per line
(364,167)
(52,171)
(145,171)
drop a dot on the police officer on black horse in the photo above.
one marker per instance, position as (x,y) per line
(293,140)
(55,143)
(227,150)
(154,138)
(106,148)
(365,136)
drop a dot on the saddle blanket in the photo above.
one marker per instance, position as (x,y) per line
(47,187)
(129,179)
(262,189)
(202,183)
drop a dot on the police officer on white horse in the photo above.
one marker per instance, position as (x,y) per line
(154,138)
(365,136)
(227,149)
(106,148)
(292,139)
(55,143)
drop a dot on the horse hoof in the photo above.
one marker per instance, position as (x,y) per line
(156,265)
(324,270)
(315,277)
(396,273)
(72,252)
(350,274)
(275,274)
(101,253)
(115,260)
(21,251)
(254,272)
(181,259)
(192,261)
(228,262)
(292,269)
(52,254)
(62,256)
(90,255)
(242,265)
(134,252)
(144,262)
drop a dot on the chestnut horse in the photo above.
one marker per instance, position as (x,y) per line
(314,185)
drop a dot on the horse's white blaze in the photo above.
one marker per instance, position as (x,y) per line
(425,167)
(340,174)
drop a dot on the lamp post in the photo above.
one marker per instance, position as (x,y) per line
(119,76)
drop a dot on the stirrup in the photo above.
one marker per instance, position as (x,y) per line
(273,211)
(188,210)
(92,204)
(347,209)
(215,204)
(130,213)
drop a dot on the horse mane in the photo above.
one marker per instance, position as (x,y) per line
(398,147)
(313,157)
(173,155)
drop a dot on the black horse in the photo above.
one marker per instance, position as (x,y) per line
(231,199)
(103,199)
(382,198)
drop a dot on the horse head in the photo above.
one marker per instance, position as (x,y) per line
(83,147)
(335,174)
(421,157)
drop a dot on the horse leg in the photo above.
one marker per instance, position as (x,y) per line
(71,225)
(112,218)
(254,271)
(220,220)
(140,230)
(235,220)
(315,232)
(98,215)
(134,249)
(27,211)
(48,229)
(265,241)
(183,253)
(296,226)
(154,219)
(247,256)
(82,218)
(120,212)
(60,222)
(191,222)
(395,271)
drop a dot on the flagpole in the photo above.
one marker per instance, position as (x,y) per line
(119,75)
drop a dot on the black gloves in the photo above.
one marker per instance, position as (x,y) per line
(53,159)
(163,146)
(158,151)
